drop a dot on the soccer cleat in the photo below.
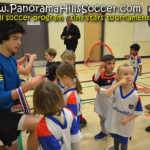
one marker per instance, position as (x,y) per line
(100,136)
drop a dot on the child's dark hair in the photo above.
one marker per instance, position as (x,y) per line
(52,70)
(136,47)
(47,99)
(9,27)
(51,52)
(69,70)
(108,57)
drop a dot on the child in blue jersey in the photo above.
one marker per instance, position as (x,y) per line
(67,76)
(104,78)
(12,123)
(126,106)
(135,61)
(58,129)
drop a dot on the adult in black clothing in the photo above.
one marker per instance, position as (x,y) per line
(70,35)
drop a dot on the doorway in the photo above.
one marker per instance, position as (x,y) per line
(92,34)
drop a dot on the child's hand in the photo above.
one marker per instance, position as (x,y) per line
(101,67)
(123,82)
(124,121)
(97,89)
(127,56)
(132,57)
(140,73)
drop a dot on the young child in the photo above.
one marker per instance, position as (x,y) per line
(67,76)
(135,61)
(104,77)
(69,56)
(52,71)
(126,106)
(58,128)
(50,54)
(66,56)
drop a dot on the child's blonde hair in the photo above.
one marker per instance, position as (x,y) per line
(124,65)
(69,70)
(47,99)
(51,52)
(68,55)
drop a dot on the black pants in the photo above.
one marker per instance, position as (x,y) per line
(8,126)
(71,47)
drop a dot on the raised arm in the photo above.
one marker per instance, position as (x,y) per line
(127,55)
(114,87)
(22,59)
(98,73)
(27,69)
(7,96)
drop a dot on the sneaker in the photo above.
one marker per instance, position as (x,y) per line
(100,136)
(16,108)
(147,129)
(110,148)
(83,123)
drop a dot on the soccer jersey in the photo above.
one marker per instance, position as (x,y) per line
(53,135)
(73,101)
(136,61)
(9,80)
(123,107)
(61,86)
(102,103)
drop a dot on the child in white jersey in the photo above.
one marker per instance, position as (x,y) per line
(67,76)
(126,106)
(104,77)
(58,128)
(135,61)
(70,57)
